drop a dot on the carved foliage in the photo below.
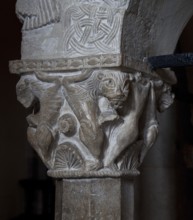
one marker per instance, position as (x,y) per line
(68,157)
(94,119)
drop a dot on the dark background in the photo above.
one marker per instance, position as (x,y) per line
(24,187)
(13,160)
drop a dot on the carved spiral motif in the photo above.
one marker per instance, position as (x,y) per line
(67,125)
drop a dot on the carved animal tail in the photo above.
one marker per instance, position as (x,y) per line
(51,105)
(68,91)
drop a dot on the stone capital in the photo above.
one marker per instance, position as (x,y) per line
(93,106)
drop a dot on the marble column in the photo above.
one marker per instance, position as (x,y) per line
(94,99)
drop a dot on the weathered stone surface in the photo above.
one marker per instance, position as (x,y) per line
(63,28)
(92,120)
(152,28)
(94,108)
(94,99)
(101,199)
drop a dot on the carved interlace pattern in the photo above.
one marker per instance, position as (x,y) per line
(91,29)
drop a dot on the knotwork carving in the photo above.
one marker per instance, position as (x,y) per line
(91,29)
(71,29)
(93,122)
(112,3)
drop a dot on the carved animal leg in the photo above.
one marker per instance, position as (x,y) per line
(151,124)
(92,137)
(31,134)
(43,137)
(127,132)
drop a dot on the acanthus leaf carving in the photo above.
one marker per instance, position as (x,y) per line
(68,157)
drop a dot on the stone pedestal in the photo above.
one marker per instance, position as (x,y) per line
(95,198)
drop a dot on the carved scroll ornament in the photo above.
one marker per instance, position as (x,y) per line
(92,122)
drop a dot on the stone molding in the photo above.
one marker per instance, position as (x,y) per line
(63,64)
(92,174)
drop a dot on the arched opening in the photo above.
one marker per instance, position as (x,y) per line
(165,188)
